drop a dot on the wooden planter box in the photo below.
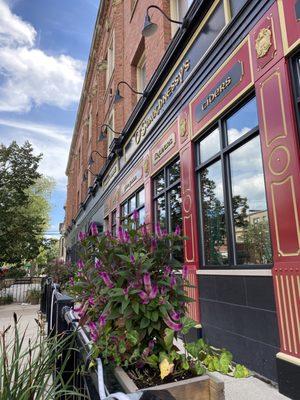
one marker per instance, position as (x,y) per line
(204,387)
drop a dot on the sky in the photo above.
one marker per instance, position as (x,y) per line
(44,47)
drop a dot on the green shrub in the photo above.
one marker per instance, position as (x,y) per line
(33,296)
(6,299)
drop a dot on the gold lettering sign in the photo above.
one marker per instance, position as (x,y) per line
(132,181)
(214,95)
(178,80)
(164,148)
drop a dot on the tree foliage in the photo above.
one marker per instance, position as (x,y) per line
(24,203)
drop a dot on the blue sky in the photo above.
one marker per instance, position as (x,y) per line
(44,47)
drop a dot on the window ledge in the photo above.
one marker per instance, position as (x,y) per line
(236,272)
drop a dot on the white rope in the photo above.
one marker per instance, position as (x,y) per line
(52,301)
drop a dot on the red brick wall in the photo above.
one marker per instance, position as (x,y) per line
(126,23)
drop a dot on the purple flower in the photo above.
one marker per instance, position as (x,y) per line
(185,272)
(171,324)
(177,231)
(126,237)
(153,244)
(163,290)
(173,280)
(126,291)
(144,297)
(102,320)
(94,229)
(175,315)
(94,336)
(147,282)
(92,326)
(167,271)
(164,233)
(144,230)
(121,234)
(161,301)
(79,274)
(108,233)
(91,301)
(98,264)
(81,236)
(106,279)
(77,309)
(151,344)
(132,259)
(158,229)
(71,281)
(80,264)
(135,215)
(154,292)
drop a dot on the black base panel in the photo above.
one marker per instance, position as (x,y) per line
(193,335)
(288,379)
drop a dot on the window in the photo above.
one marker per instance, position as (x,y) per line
(167,197)
(114,223)
(236,5)
(135,202)
(295,63)
(90,124)
(234,219)
(106,224)
(110,59)
(141,74)
(110,134)
(178,9)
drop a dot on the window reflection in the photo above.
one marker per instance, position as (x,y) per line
(236,5)
(175,207)
(249,206)
(242,121)
(160,214)
(215,243)
(210,145)
(159,182)
(174,172)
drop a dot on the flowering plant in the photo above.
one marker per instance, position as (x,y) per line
(132,297)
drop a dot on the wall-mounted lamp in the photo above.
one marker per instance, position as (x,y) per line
(91,160)
(150,27)
(118,97)
(103,132)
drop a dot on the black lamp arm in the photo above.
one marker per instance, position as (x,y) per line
(99,154)
(108,126)
(131,88)
(164,14)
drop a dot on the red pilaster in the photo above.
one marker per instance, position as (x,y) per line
(280,148)
(189,212)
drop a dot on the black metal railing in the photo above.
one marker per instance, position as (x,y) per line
(61,319)
(20,290)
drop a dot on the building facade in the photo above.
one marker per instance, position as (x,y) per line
(211,144)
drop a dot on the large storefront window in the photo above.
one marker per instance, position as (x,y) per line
(167,197)
(135,202)
(233,208)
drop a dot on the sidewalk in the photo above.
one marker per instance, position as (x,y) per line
(27,313)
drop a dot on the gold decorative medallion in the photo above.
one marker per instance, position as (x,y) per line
(147,166)
(263,42)
(183,127)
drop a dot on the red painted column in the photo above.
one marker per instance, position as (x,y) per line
(280,149)
(149,217)
(189,212)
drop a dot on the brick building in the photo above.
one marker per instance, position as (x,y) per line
(211,142)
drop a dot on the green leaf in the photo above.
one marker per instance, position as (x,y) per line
(154,316)
(152,360)
(225,361)
(241,371)
(144,323)
(185,364)
(169,338)
(133,337)
(123,257)
(125,303)
(122,347)
(188,324)
(199,368)
(135,306)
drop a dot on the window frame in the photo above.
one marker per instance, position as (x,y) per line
(110,58)
(295,77)
(110,134)
(140,65)
(223,156)
(127,201)
(165,192)
(114,222)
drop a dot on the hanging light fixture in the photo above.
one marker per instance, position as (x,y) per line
(150,27)
(118,97)
(103,132)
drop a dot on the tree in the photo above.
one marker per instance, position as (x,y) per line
(24,203)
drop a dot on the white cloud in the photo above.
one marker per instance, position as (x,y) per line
(55,132)
(30,76)
(13,30)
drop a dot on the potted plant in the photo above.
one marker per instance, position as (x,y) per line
(132,297)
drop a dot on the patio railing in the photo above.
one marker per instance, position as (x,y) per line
(60,318)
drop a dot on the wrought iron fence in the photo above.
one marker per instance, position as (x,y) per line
(60,318)
(20,290)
